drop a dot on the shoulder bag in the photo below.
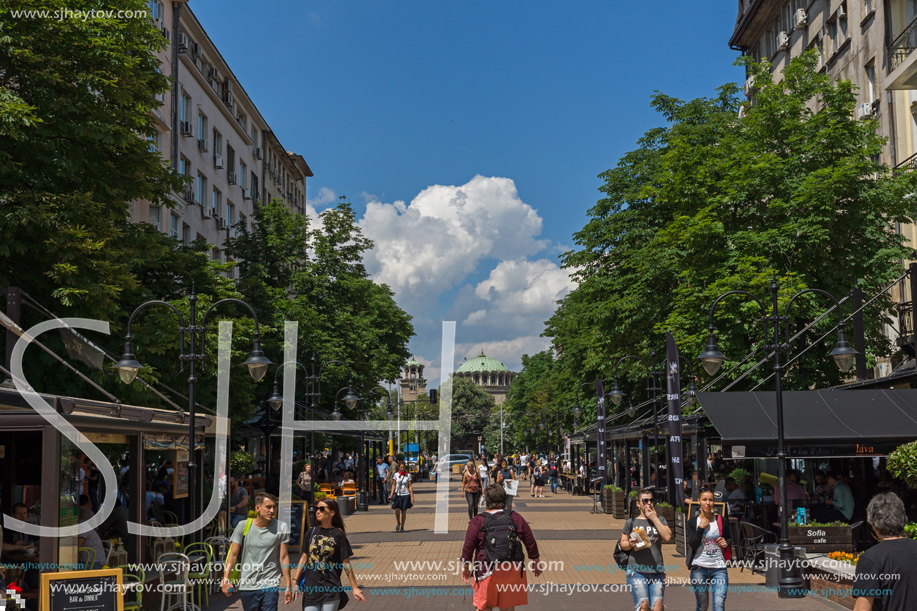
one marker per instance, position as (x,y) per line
(622,558)
(234,573)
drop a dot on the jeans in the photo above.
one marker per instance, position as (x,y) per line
(645,586)
(236,518)
(554,484)
(260,600)
(472,498)
(383,491)
(483,484)
(704,581)
(332,606)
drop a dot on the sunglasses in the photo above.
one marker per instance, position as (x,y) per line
(321,508)
(647,501)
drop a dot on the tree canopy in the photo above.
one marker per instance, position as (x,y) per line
(731,195)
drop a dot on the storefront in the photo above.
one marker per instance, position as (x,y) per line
(43,468)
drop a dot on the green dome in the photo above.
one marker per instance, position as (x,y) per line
(412,362)
(481,363)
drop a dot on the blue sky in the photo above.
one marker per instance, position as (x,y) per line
(468,136)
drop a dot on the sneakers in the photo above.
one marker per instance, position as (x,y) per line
(397,527)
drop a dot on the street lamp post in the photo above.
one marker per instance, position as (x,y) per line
(362,496)
(712,359)
(653,388)
(314,392)
(128,367)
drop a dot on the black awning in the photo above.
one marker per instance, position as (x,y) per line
(816,422)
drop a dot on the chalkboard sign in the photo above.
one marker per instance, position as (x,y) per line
(82,591)
(180,482)
(299,522)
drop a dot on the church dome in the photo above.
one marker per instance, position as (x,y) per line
(481,363)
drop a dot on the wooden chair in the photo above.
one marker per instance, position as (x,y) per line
(349,490)
(328,489)
(754,539)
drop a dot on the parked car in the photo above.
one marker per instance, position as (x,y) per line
(444,465)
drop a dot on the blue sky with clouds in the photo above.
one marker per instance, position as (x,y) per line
(468,135)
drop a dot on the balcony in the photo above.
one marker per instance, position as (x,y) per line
(908,164)
(902,61)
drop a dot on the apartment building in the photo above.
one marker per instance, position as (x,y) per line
(210,131)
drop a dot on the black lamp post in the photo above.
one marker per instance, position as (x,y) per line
(362,494)
(128,367)
(712,359)
(313,379)
(653,389)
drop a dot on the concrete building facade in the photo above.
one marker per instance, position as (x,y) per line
(210,131)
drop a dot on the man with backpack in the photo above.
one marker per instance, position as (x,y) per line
(493,556)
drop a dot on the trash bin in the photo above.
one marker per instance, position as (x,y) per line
(772,564)
(347,505)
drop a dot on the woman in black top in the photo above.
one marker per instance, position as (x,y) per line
(327,553)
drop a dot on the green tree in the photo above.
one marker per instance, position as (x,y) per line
(472,410)
(720,200)
(76,110)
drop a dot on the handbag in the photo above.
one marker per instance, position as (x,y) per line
(727,552)
(622,558)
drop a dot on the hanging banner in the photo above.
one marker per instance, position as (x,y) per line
(600,433)
(676,477)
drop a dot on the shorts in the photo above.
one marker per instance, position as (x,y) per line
(645,586)
(490,591)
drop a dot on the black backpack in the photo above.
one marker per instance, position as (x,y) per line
(501,542)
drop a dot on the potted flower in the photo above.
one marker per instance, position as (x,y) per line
(823,537)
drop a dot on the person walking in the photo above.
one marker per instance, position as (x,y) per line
(886,574)
(492,554)
(471,488)
(552,473)
(538,479)
(265,558)
(708,551)
(501,475)
(403,494)
(381,472)
(643,537)
(326,555)
(238,501)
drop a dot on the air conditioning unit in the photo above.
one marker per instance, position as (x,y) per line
(183,42)
(228,99)
(173,234)
(749,86)
(206,212)
(246,193)
(256,152)
(213,73)
(864,111)
(800,19)
(232,178)
(203,145)
(198,64)
(218,161)
(189,196)
(841,12)
(221,223)
(783,41)
(195,49)
(166,33)
(186,128)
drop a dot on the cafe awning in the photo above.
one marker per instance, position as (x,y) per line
(816,422)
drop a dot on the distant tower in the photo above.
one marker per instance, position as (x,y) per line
(413,383)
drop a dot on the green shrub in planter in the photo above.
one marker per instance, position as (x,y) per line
(241,463)
(910,529)
(613,488)
(320,496)
(902,463)
(663,504)
(633,494)
(738,473)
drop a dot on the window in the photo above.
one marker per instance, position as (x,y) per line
(174,222)
(215,254)
(833,44)
(217,142)
(842,26)
(216,202)
(184,166)
(243,223)
(230,213)
(201,189)
(202,126)
(872,93)
(156,142)
(818,45)
(156,217)
(184,109)
(230,158)
(868,7)
(156,12)
(186,234)
(243,174)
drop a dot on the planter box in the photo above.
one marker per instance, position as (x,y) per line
(616,504)
(680,534)
(823,539)
(668,514)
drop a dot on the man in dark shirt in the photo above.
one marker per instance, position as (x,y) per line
(886,575)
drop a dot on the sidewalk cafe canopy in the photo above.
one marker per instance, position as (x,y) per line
(818,423)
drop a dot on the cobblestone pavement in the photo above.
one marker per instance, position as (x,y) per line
(579,542)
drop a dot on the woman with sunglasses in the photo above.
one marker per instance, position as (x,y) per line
(327,553)
(645,568)
(708,550)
